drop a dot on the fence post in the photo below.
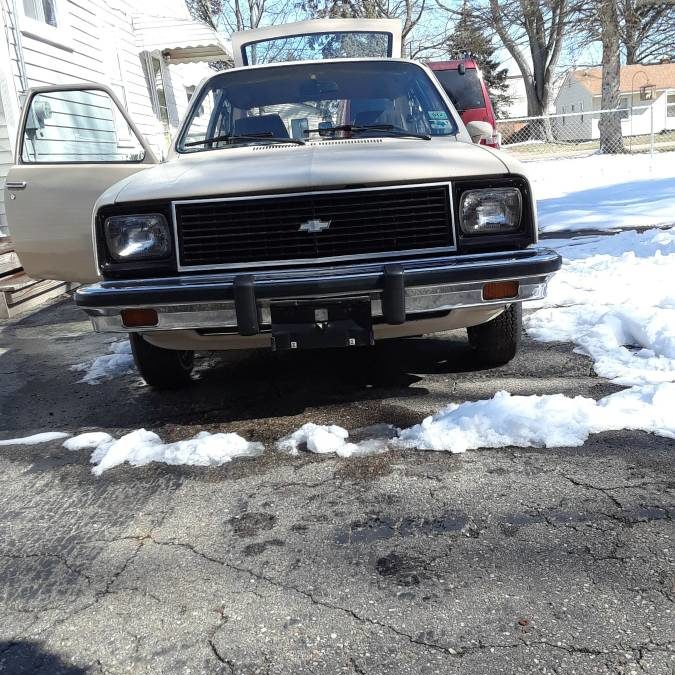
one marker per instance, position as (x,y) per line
(651,131)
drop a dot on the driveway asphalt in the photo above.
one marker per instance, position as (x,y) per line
(505,561)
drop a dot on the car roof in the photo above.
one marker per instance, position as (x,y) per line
(359,59)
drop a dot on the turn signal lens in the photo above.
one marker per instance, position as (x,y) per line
(498,290)
(139,318)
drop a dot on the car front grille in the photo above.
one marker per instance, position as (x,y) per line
(363,222)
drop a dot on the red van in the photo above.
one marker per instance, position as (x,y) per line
(464,85)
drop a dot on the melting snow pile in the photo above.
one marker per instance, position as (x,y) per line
(118,362)
(142,447)
(542,421)
(35,439)
(615,298)
(324,439)
(604,192)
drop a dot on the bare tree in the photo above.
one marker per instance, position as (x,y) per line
(409,11)
(611,138)
(237,15)
(646,29)
(205,11)
(533,32)
(534,28)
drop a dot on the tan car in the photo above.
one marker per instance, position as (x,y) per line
(321,194)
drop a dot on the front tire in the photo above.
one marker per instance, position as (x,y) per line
(161,368)
(496,342)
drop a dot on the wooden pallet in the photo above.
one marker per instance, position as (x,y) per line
(20,293)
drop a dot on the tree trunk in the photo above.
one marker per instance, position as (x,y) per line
(611,139)
(539,129)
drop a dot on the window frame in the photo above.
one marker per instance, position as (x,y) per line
(57,36)
(148,155)
(670,105)
(180,137)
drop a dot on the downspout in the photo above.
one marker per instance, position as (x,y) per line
(18,48)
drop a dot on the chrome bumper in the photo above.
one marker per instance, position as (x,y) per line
(242,302)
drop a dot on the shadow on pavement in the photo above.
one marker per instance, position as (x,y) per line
(28,658)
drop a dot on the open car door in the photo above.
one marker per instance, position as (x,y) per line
(75,141)
(318,39)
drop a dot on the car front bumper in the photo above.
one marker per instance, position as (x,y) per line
(240,303)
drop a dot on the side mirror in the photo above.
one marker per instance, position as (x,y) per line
(478,130)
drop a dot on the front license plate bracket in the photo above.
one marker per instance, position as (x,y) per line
(317,324)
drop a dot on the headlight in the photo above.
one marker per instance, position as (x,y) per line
(137,237)
(490,211)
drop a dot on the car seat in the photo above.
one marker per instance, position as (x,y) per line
(261,124)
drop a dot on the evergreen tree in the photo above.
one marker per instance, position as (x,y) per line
(471,40)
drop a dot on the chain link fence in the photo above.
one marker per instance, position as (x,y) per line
(643,129)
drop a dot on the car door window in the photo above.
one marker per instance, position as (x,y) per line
(82,126)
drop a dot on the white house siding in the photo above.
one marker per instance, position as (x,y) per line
(98,35)
(5,163)
(573,102)
(516,90)
(641,117)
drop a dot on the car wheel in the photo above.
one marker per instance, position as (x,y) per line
(161,368)
(496,341)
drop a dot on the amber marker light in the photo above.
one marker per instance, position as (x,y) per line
(500,290)
(139,318)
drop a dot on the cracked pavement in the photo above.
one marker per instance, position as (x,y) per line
(495,561)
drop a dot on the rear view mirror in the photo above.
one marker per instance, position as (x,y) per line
(461,69)
(317,89)
(478,130)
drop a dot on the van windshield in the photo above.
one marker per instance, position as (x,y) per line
(311,101)
(317,46)
(465,91)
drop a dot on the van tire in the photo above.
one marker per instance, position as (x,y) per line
(161,368)
(496,342)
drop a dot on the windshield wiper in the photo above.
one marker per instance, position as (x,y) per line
(265,136)
(360,128)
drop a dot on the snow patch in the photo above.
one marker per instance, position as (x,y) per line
(118,362)
(36,438)
(615,299)
(604,192)
(141,447)
(325,439)
(88,441)
(547,421)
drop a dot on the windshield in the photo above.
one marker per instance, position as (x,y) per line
(317,46)
(465,91)
(307,101)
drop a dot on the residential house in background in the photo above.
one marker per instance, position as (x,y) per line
(647,101)
(151,53)
(516,91)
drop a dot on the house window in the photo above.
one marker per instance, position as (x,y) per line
(670,108)
(43,11)
(46,20)
(154,78)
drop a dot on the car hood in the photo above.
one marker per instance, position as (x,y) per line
(282,168)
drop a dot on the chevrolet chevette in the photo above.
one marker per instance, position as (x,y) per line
(324,192)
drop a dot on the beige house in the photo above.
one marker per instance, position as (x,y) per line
(647,101)
(151,53)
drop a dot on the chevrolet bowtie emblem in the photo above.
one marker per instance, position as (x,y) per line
(314,225)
